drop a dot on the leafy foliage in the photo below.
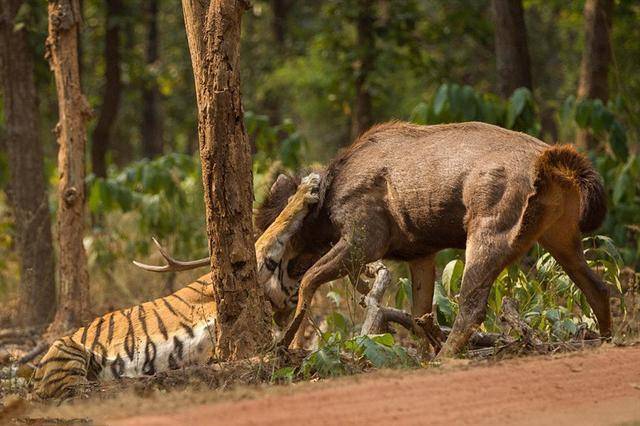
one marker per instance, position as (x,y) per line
(593,115)
(455,103)
(622,182)
(547,297)
(378,350)
(281,142)
(164,196)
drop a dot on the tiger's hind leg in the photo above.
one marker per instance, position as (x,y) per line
(271,245)
(61,370)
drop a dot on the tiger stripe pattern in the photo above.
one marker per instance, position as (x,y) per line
(166,333)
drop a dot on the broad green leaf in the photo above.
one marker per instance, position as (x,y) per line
(583,113)
(517,103)
(440,99)
(383,339)
(618,141)
(451,276)
(420,113)
(285,374)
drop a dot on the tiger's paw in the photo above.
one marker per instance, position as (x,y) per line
(311,186)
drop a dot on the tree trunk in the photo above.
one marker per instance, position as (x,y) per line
(361,116)
(74,111)
(151,118)
(27,187)
(112,88)
(512,52)
(243,326)
(596,56)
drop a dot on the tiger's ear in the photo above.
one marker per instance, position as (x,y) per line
(275,201)
(282,182)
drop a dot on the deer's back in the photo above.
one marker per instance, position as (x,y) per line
(427,180)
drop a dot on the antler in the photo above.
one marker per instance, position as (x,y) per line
(172,265)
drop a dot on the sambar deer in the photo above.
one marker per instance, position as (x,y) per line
(404,191)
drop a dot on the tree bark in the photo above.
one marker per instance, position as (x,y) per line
(243,326)
(27,188)
(112,89)
(74,111)
(596,56)
(512,52)
(361,116)
(151,115)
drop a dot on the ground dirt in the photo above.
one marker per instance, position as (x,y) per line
(598,387)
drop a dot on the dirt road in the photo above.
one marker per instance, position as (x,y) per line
(593,387)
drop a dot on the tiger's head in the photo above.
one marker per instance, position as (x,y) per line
(302,251)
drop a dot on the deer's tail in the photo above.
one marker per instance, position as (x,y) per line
(564,165)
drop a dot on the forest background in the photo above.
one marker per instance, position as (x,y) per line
(314,76)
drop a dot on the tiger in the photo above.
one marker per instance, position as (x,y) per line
(166,333)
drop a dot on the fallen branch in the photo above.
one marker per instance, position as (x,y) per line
(378,317)
(510,321)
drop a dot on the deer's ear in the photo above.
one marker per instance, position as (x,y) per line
(282,182)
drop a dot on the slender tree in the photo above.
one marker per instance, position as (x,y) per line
(74,111)
(361,117)
(271,104)
(27,186)
(112,89)
(151,115)
(512,51)
(280,10)
(596,56)
(213,33)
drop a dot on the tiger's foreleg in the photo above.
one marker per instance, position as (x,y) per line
(271,245)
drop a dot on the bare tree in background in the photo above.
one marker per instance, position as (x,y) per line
(512,51)
(151,114)
(361,116)
(243,326)
(27,187)
(112,89)
(74,111)
(596,57)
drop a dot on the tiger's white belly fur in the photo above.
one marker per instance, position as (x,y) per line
(178,350)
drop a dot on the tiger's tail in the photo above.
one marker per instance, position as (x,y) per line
(61,370)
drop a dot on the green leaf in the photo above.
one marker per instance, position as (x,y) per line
(385,339)
(440,99)
(456,102)
(95,196)
(452,275)
(337,322)
(404,293)
(597,116)
(517,103)
(618,141)
(583,113)
(469,104)
(446,308)
(284,374)
(420,113)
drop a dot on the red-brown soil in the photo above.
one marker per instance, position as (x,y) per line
(596,387)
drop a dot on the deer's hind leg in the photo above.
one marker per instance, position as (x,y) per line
(487,253)
(484,261)
(565,245)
